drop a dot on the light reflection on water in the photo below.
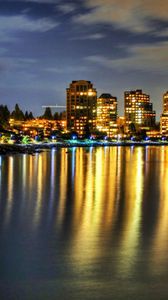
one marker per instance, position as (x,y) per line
(86,223)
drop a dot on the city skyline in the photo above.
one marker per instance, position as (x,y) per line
(47,44)
(62,108)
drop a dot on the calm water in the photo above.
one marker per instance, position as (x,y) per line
(84,224)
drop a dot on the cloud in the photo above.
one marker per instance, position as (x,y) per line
(94,36)
(36,1)
(163,33)
(66,8)
(141,58)
(129,14)
(67,69)
(14,63)
(23,23)
(41,1)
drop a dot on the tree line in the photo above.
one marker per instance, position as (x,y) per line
(18,115)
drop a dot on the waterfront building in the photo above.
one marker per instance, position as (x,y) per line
(34,126)
(107,114)
(139,110)
(81,107)
(164,116)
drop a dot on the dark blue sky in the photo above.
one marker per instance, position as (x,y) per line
(118,45)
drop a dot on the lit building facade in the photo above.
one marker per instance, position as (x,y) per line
(34,126)
(139,109)
(107,114)
(164,116)
(81,107)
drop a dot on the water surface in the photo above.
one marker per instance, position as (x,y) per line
(84,223)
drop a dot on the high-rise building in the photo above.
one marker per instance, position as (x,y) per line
(164,116)
(81,107)
(139,109)
(107,114)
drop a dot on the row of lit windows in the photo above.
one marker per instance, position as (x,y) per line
(105,102)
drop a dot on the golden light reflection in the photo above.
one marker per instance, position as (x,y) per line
(94,207)
(133,186)
(10,187)
(52,173)
(63,187)
(24,171)
(87,205)
(41,173)
(109,208)
(80,186)
(160,241)
(97,195)
(28,168)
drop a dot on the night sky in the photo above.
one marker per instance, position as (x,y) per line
(118,45)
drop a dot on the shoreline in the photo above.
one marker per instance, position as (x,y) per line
(37,148)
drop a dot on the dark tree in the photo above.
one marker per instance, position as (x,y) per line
(18,114)
(56,116)
(47,114)
(31,115)
(63,115)
(4,115)
(26,116)
(59,116)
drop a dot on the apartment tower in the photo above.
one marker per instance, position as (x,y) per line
(139,109)
(81,107)
(107,114)
(164,116)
